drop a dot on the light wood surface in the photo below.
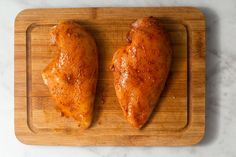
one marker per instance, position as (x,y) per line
(178,119)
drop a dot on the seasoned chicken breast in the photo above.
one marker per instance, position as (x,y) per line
(140,70)
(71,76)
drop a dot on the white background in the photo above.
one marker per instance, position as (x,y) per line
(220,138)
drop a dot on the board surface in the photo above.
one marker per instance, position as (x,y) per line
(178,119)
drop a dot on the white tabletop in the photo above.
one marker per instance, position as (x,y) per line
(221,85)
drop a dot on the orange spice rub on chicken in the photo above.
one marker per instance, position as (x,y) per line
(140,70)
(71,76)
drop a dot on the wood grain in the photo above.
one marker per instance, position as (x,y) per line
(178,119)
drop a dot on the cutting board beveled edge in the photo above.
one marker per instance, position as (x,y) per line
(26,135)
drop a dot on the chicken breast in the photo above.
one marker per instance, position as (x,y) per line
(71,76)
(140,70)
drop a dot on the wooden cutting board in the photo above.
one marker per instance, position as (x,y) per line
(178,119)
